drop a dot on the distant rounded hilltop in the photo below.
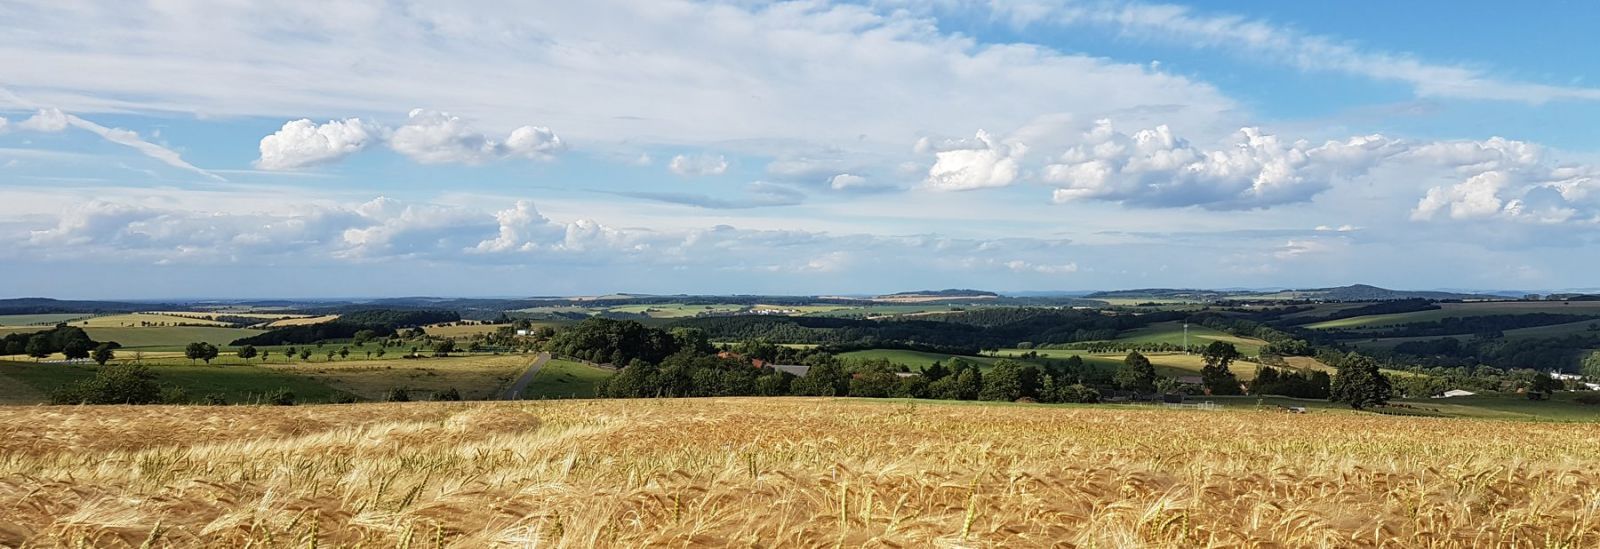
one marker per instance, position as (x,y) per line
(937,295)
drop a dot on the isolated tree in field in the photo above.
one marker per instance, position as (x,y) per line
(264,354)
(247,352)
(1358,382)
(39,347)
(290,352)
(1215,375)
(380,352)
(103,354)
(75,350)
(344,352)
(305,354)
(195,351)
(444,348)
(331,352)
(1136,374)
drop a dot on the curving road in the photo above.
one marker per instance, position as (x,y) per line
(515,391)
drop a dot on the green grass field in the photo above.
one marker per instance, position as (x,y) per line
(168,337)
(136,320)
(238,384)
(1455,310)
(1172,333)
(475,377)
(45,320)
(674,310)
(1537,332)
(889,310)
(565,379)
(154,338)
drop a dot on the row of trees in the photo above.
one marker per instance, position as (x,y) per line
(687,374)
(70,341)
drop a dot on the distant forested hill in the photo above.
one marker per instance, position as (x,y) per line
(41,305)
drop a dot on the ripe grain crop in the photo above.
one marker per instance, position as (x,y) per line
(786,472)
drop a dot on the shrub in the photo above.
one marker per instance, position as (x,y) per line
(116,384)
(397,395)
(447,395)
(1078,393)
(215,399)
(344,398)
(173,394)
(280,397)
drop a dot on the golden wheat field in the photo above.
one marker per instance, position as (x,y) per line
(786,472)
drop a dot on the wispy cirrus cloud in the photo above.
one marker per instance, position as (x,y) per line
(1263,40)
(54,120)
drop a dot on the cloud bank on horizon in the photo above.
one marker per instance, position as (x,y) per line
(789,147)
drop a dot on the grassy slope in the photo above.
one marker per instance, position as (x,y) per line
(476,377)
(1450,310)
(1172,333)
(883,310)
(565,379)
(14,391)
(42,319)
(134,320)
(168,337)
(237,383)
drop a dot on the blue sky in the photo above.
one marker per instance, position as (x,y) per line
(374,148)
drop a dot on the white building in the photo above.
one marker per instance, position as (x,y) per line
(1456,393)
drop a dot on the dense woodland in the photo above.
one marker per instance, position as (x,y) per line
(965,332)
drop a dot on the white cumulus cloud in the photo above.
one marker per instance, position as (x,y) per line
(1156,168)
(1508,180)
(981,162)
(302,143)
(46,120)
(428,137)
(434,137)
(847,181)
(1020,266)
(698,165)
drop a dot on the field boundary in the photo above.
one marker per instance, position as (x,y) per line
(515,391)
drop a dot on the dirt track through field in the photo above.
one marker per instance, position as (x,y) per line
(515,391)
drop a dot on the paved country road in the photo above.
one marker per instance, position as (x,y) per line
(515,391)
